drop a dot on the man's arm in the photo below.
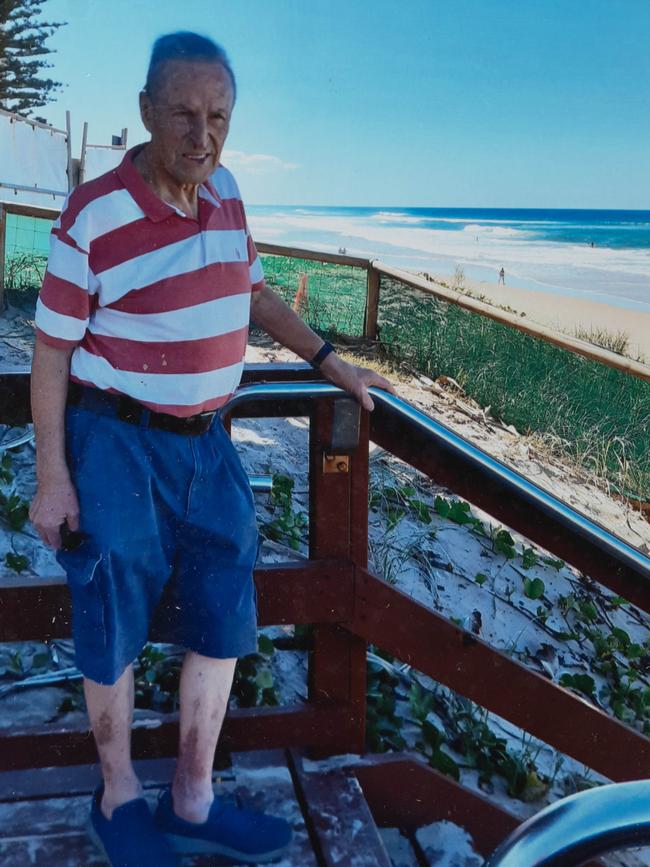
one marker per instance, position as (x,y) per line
(271,313)
(56,498)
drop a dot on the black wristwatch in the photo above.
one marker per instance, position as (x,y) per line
(322,354)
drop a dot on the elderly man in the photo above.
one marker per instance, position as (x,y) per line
(141,331)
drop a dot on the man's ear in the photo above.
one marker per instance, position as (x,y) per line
(146,110)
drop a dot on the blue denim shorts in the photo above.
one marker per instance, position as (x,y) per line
(158,510)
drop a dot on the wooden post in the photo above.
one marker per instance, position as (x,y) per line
(82,159)
(372,304)
(3,244)
(68,129)
(337,668)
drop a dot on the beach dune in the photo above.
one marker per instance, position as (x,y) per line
(565,313)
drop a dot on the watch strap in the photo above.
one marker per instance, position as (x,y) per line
(322,354)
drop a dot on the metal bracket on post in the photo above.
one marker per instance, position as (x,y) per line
(345,436)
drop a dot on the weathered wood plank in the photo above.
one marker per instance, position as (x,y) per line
(263,782)
(66,850)
(51,831)
(341,826)
(399,847)
(74,780)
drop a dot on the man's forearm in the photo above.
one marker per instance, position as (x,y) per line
(49,388)
(271,313)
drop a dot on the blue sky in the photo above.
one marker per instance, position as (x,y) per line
(439,103)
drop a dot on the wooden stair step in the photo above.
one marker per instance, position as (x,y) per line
(263,781)
(341,826)
(399,847)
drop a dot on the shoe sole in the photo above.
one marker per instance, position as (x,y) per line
(196,846)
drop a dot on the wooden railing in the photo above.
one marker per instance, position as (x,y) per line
(376,269)
(349,607)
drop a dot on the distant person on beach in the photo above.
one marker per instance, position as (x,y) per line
(502,277)
(142,325)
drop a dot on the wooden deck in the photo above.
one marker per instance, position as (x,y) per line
(43,813)
(43,809)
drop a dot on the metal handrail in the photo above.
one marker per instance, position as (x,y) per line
(583,826)
(576,521)
(260,484)
(19,440)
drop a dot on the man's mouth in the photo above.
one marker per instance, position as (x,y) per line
(197,158)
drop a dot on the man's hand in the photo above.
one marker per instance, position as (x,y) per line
(54,503)
(355,380)
(56,499)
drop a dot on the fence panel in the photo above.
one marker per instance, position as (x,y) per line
(598,414)
(334,297)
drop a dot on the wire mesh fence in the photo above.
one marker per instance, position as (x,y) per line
(332,299)
(26,249)
(598,414)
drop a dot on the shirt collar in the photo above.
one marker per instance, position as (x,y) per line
(153,207)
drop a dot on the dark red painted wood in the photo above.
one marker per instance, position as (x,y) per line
(408,442)
(359,496)
(337,667)
(293,593)
(403,792)
(245,729)
(430,643)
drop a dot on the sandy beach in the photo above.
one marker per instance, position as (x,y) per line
(565,313)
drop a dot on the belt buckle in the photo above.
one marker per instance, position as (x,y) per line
(199,423)
(208,418)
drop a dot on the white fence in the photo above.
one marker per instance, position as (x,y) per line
(36,162)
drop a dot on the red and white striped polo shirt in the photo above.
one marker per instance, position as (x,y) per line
(156,304)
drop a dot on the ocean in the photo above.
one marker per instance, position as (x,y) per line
(601,255)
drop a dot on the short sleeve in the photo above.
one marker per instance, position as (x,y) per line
(63,306)
(254,264)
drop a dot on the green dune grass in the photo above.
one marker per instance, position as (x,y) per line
(598,416)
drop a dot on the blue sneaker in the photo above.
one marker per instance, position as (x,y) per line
(244,835)
(130,837)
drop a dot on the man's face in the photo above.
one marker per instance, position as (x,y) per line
(188,118)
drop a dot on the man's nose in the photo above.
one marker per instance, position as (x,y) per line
(199,131)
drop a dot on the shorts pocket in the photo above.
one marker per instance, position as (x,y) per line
(79,565)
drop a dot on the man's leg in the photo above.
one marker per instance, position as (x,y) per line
(204,690)
(110,709)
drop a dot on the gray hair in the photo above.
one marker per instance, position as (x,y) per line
(184,45)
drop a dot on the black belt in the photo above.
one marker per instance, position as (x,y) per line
(129,410)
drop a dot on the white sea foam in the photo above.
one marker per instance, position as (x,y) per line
(621,276)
